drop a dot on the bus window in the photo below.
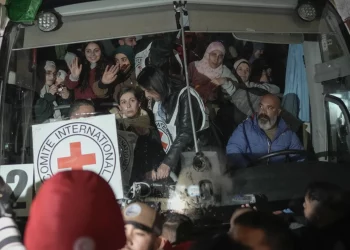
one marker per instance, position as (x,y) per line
(338,122)
(336,44)
(17,117)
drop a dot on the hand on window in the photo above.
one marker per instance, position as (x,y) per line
(110,74)
(75,68)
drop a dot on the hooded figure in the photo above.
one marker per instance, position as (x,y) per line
(75,210)
(209,73)
(124,74)
(159,53)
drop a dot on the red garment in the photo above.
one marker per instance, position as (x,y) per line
(88,93)
(167,246)
(183,246)
(75,210)
(202,84)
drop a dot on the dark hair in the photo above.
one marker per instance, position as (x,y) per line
(333,201)
(135,90)
(257,68)
(100,67)
(220,241)
(179,225)
(277,232)
(152,78)
(77,104)
(161,54)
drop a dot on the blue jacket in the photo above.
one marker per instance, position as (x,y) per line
(248,142)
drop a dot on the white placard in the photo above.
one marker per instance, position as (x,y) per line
(87,143)
(20,179)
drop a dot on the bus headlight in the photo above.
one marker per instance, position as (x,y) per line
(307,11)
(48,21)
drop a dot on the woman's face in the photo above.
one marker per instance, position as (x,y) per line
(243,71)
(216,58)
(50,75)
(129,105)
(309,207)
(152,95)
(93,52)
(264,76)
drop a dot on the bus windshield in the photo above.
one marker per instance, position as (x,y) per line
(192,122)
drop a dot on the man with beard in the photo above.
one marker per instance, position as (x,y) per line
(143,227)
(117,76)
(262,134)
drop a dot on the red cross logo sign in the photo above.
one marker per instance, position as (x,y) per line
(164,135)
(76,161)
(77,146)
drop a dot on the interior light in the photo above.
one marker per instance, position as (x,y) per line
(307,11)
(48,21)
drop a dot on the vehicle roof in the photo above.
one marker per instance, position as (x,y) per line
(65,6)
(142,18)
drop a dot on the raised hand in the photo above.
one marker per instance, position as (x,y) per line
(75,68)
(110,74)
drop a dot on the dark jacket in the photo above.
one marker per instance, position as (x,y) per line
(183,124)
(332,237)
(248,142)
(148,152)
(148,155)
(44,107)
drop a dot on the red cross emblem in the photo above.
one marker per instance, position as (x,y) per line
(76,160)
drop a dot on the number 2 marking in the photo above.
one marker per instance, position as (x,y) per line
(21,185)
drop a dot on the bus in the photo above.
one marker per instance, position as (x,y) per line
(306,46)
